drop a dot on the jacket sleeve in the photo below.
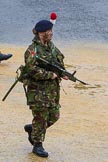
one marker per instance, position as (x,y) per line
(60,57)
(35,71)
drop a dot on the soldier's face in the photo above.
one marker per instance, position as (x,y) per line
(46,36)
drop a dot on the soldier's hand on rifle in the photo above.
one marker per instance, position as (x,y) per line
(54,76)
(65,77)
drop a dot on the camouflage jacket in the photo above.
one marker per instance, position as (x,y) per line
(40,83)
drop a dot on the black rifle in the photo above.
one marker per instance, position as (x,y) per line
(57,68)
(54,67)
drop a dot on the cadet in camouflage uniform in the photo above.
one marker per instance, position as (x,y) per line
(43,90)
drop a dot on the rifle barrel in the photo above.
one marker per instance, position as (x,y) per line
(82,82)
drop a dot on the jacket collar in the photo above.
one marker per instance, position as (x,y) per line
(38,42)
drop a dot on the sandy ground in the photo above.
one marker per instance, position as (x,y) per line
(81,134)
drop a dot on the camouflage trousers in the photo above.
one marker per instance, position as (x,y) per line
(42,119)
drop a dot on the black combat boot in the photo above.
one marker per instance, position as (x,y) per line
(28,129)
(39,150)
(5,56)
